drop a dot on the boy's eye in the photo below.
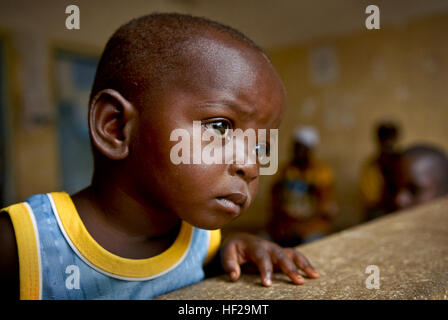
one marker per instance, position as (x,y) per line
(218,127)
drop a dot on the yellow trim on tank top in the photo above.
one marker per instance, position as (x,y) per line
(109,262)
(27,250)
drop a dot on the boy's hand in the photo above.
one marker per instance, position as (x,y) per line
(268,256)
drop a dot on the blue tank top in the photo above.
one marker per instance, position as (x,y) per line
(58,259)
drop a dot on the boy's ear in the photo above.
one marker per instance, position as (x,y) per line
(111,120)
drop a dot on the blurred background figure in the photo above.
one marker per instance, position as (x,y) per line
(303,203)
(377,177)
(422,175)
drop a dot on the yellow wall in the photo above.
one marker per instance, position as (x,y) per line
(398,73)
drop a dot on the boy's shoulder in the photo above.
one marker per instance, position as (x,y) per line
(18,228)
(23,214)
(36,201)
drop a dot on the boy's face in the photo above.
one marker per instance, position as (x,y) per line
(225,85)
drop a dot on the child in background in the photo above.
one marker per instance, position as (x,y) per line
(303,199)
(146,226)
(377,177)
(421,176)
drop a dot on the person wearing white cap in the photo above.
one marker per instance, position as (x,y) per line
(303,202)
(307,135)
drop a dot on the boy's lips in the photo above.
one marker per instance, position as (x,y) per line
(233,202)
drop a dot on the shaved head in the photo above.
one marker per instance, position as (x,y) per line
(147,52)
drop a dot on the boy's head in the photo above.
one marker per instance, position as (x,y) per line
(159,73)
(422,175)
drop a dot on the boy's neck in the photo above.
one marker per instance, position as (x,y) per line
(122,224)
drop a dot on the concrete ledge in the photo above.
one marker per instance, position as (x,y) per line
(410,248)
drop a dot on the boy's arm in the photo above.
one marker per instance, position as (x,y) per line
(9,262)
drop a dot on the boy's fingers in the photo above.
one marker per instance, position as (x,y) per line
(236,273)
(230,262)
(302,262)
(263,261)
(311,272)
(287,266)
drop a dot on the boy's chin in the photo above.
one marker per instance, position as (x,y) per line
(209,224)
(211,214)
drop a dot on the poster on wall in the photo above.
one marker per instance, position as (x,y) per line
(74,78)
(32,51)
(324,65)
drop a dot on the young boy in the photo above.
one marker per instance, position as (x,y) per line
(146,226)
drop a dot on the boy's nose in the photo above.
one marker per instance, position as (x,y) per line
(246,171)
(244,162)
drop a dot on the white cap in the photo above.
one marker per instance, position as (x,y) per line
(307,135)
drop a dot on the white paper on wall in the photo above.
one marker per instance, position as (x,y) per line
(34,78)
(324,65)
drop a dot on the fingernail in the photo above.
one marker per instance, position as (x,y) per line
(315,273)
(300,279)
(268,282)
(233,275)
